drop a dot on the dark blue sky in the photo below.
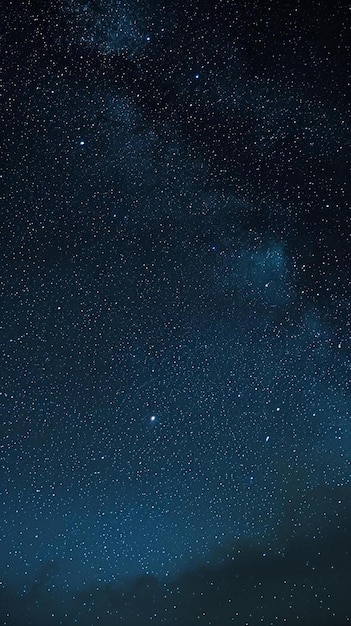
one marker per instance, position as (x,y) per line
(175,314)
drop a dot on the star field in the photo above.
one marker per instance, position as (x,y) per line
(175,438)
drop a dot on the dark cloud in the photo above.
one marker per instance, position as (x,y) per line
(301,578)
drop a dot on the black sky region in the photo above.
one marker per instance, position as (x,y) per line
(175,438)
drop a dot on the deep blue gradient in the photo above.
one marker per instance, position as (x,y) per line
(175,315)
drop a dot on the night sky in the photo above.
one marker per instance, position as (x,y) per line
(175,433)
